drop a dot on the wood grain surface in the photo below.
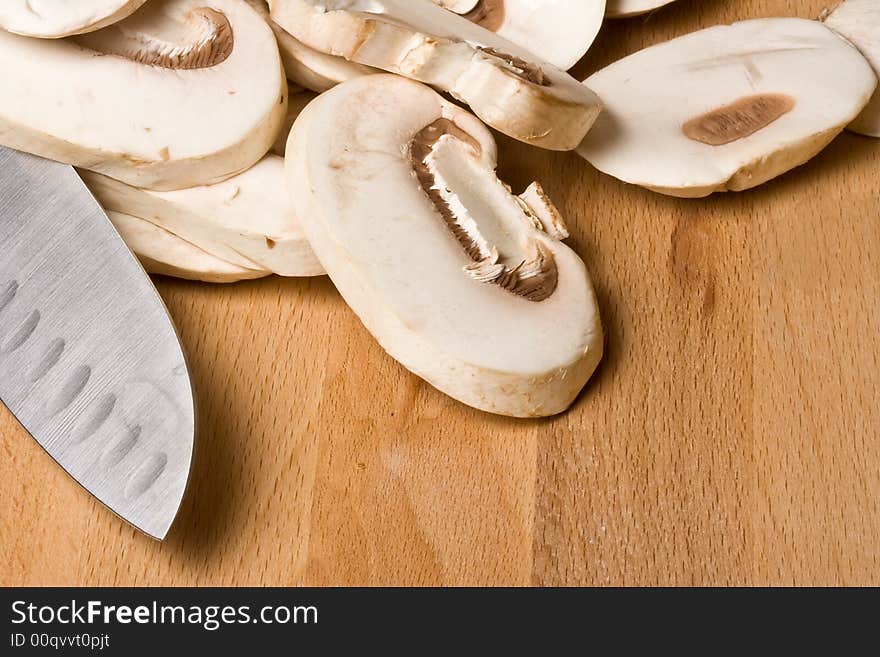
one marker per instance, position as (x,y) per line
(731,436)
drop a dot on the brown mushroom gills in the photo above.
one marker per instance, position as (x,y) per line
(528,71)
(201,38)
(499,258)
(737,120)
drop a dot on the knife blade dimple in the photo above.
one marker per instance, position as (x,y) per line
(21,334)
(76,382)
(7,294)
(93,418)
(146,475)
(122,447)
(48,360)
(90,362)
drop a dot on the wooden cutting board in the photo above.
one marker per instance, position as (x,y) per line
(732,435)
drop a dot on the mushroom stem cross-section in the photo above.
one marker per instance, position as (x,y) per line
(491,224)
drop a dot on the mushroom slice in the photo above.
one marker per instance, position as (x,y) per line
(184,94)
(161,252)
(535,103)
(247,220)
(859,21)
(451,273)
(295,106)
(305,66)
(726,108)
(556,31)
(51,19)
(627,8)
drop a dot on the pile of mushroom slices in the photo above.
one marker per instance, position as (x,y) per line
(234,139)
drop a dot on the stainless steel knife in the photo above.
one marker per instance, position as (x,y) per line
(90,362)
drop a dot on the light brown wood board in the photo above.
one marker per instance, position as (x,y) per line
(731,436)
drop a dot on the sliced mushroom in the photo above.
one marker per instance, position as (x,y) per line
(627,8)
(51,19)
(162,252)
(556,31)
(859,21)
(535,103)
(247,220)
(295,106)
(726,108)
(454,275)
(316,71)
(191,94)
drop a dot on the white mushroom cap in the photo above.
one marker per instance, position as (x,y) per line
(51,19)
(307,67)
(859,21)
(247,220)
(556,31)
(194,95)
(161,252)
(627,8)
(535,103)
(454,276)
(726,108)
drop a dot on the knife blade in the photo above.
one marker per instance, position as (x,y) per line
(90,362)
